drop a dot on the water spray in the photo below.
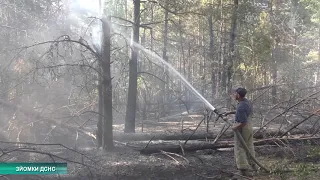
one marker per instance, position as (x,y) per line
(167,66)
(194,91)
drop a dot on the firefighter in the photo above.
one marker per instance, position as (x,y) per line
(243,124)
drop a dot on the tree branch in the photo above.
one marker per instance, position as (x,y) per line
(173,12)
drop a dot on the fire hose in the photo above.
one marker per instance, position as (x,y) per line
(243,143)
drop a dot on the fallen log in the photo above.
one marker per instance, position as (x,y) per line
(226,144)
(160,136)
(186,148)
(296,125)
(119,136)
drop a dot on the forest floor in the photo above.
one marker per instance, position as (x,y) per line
(125,162)
(287,162)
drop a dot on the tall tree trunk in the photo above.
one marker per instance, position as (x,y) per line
(100,96)
(232,52)
(163,99)
(265,82)
(274,69)
(182,51)
(224,60)
(220,55)
(203,67)
(132,92)
(151,30)
(126,8)
(211,55)
(318,66)
(151,36)
(107,86)
(188,93)
(143,90)
(294,69)
(294,60)
(274,75)
(100,110)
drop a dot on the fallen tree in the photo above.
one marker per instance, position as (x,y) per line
(285,111)
(160,136)
(226,144)
(65,128)
(196,136)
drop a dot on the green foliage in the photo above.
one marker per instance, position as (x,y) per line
(299,167)
(302,171)
(247,12)
(278,168)
(140,82)
(314,152)
(313,56)
(313,6)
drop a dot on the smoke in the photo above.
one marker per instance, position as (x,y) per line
(85,15)
(88,7)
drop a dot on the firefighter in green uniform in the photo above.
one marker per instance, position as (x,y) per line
(244,126)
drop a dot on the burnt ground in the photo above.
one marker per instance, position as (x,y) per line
(125,162)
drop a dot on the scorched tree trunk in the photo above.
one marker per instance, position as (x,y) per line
(133,65)
(107,86)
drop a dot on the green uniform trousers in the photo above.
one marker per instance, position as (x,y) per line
(243,160)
